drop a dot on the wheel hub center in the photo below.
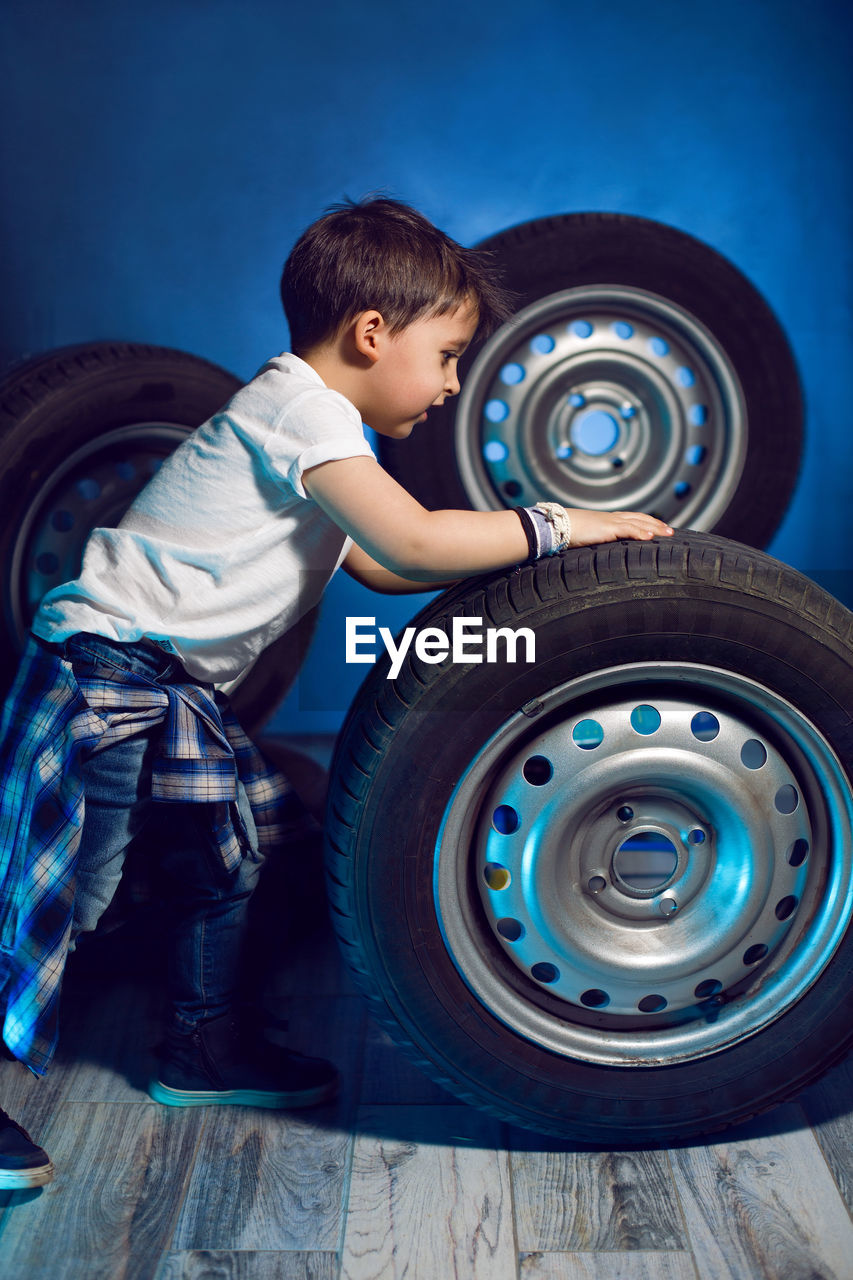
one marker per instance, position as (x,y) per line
(638,857)
(594,431)
(645,861)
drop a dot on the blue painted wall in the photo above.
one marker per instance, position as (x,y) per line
(159,160)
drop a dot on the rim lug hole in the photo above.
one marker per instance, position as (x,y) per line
(625,813)
(668,906)
(596,884)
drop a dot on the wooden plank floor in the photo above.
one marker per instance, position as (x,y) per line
(397,1179)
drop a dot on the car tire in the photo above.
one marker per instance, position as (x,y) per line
(82,428)
(641,371)
(495,833)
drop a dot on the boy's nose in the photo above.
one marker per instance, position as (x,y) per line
(451,388)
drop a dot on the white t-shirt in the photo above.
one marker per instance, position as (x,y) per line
(223,550)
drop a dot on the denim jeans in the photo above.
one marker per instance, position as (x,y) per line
(209,905)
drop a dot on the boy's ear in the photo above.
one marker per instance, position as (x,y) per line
(369,330)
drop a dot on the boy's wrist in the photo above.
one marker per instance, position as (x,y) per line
(528,524)
(547,527)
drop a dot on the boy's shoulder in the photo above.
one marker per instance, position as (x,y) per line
(286,385)
(286,371)
(287,374)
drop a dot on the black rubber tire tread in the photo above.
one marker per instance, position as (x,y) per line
(54,402)
(390,786)
(569,250)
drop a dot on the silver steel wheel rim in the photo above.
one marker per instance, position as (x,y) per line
(92,488)
(529,871)
(604,397)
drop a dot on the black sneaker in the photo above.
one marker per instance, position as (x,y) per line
(216,1065)
(22,1163)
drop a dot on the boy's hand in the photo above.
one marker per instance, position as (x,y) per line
(589,527)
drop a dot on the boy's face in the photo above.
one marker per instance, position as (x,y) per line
(417,369)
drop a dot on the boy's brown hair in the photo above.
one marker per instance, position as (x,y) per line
(380,254)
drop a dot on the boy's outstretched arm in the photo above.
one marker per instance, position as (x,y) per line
(432,546)
(370,573)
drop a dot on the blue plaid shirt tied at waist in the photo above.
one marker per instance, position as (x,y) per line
(51,723)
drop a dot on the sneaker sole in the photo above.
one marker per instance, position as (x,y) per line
(242,1097)
(25,1179)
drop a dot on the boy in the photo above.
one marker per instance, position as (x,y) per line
(224,549)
